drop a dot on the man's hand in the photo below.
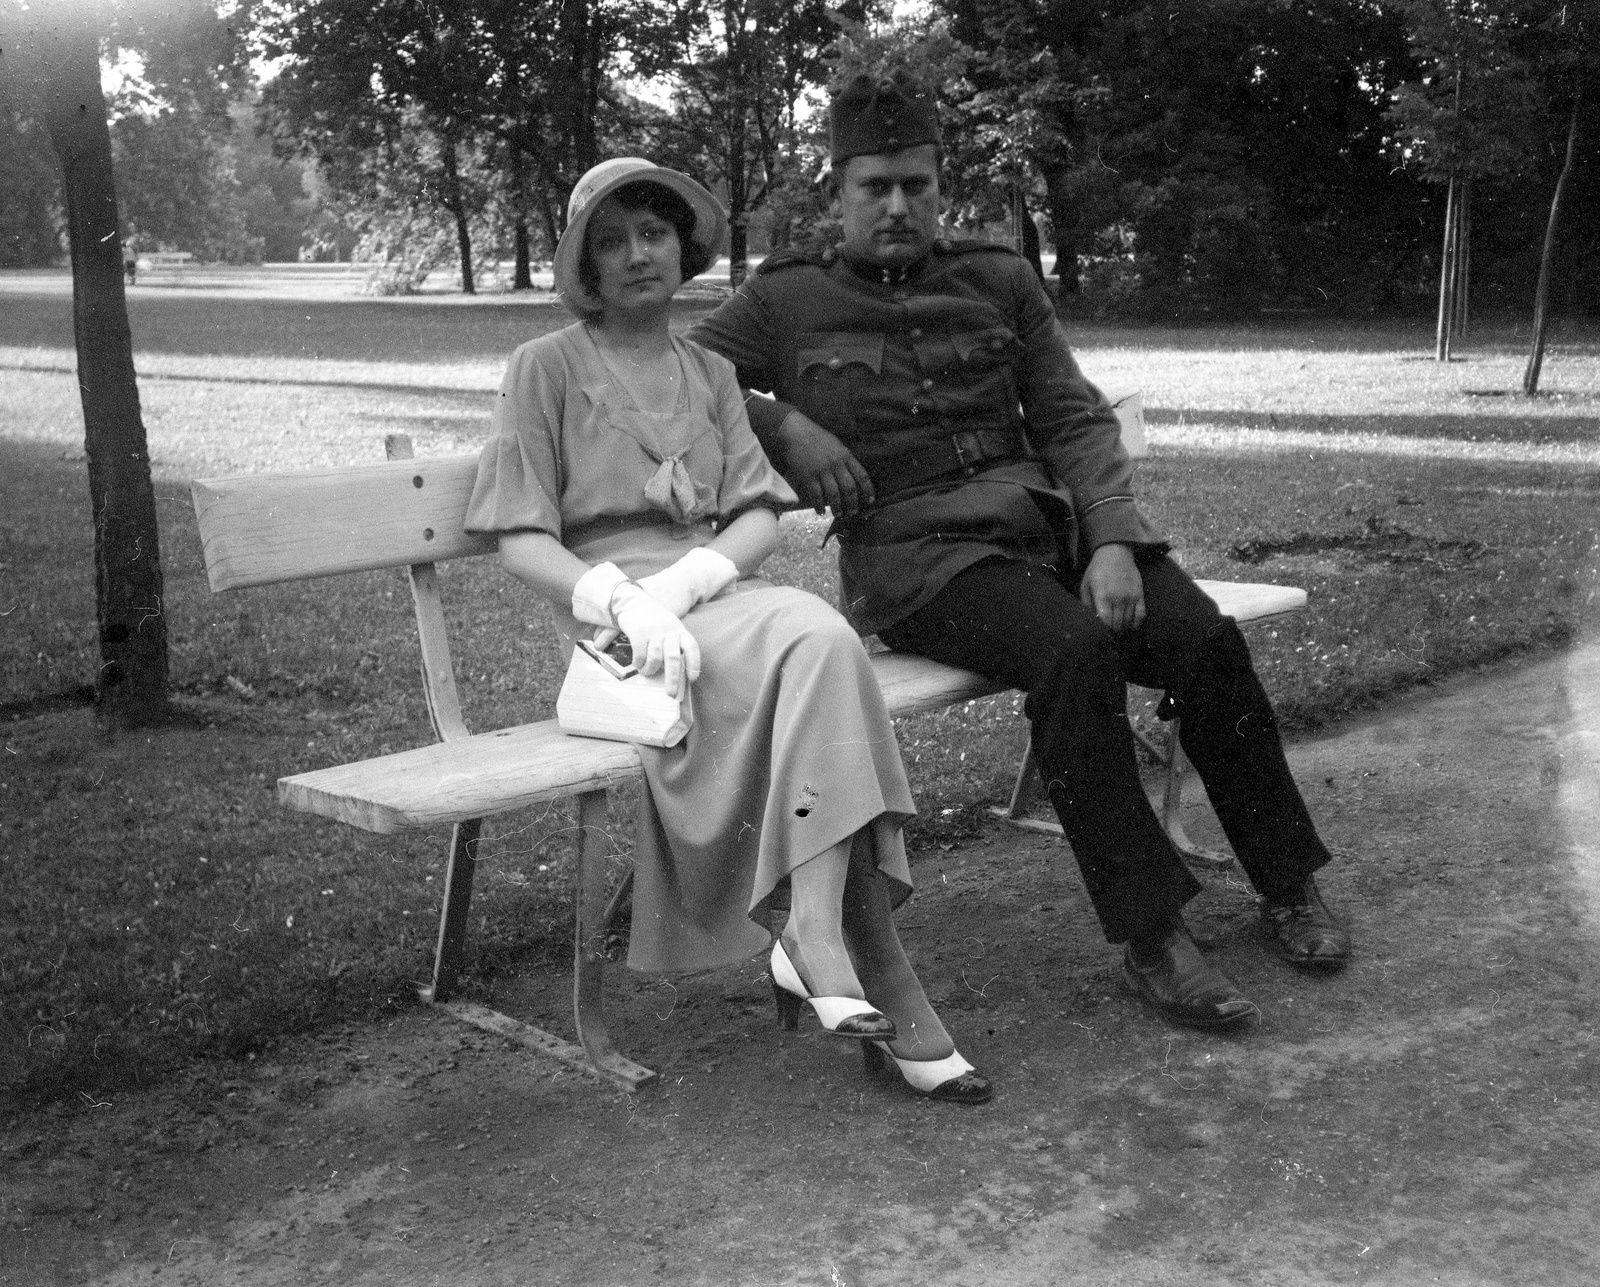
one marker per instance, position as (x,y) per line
(821,468)
(1113,588)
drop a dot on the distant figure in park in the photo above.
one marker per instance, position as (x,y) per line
(130,262)
(628,490)
(925,394)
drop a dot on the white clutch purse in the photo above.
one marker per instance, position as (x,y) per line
(602,698)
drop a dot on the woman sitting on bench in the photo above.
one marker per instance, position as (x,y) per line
(628,490)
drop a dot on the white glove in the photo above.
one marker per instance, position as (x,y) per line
(592,596)
(659,639)
(699,575)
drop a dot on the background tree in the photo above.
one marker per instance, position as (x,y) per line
(384,96)
(740,69)
(1468,117)
(57,52)
(29,210)
(1567,38)
(528,87)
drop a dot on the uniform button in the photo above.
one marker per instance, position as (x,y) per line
(926,385)
(834,363)
(916,332)
(997,343)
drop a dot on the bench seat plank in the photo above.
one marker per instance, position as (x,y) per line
(470,777)
(511,768)
(1244,601)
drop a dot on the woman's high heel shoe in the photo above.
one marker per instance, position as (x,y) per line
(951,1079)
(842,1016)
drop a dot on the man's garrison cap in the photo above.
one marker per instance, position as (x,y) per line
(881,114)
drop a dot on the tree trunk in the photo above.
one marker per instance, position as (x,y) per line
(738,200)
(522,274)
(1447,276)
(457,207)
(1027,232)
(1541,294)
(131,687)
(1064,223)
(738,250)
(1463,259)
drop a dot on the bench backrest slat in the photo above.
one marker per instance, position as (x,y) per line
(264,528)
(438,671)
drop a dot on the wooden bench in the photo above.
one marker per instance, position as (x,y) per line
(268,528)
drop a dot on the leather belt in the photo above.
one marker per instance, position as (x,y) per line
(960,454)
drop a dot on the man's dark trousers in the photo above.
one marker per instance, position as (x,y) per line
(1023,625)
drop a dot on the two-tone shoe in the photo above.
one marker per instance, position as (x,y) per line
(842,1016)
(1303,931)
(951,1080)
(1177,980)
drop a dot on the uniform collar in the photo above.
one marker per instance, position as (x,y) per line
(880,276)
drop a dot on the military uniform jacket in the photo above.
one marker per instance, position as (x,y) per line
(952,383)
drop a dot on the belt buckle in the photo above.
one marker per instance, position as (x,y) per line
(969,451)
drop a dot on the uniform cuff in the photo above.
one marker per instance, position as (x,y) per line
(1116,519)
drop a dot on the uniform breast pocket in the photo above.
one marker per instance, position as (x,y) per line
(985,363)
(833,370)
(984,350)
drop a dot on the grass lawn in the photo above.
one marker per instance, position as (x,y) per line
(159,906)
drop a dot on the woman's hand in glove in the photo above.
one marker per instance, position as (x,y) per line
(699,575)
(660,641)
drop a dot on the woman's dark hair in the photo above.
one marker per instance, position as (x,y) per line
(664,203)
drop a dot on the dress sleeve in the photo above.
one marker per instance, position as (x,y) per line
(748,478)
(520,472)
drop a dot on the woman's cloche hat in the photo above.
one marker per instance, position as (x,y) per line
(710,223)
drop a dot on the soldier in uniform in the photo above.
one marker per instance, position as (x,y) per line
(923,391)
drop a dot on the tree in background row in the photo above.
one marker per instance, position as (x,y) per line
(1189,161)
(525,88)
(741,69)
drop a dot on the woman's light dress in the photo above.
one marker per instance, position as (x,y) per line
(792,750)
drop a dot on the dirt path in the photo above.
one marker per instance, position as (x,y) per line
(1428,1116)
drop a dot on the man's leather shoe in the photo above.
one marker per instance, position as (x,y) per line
(1303,931)
(1178,981)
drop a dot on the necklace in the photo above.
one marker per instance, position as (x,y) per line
(628,353)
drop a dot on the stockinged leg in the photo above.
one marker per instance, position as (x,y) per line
(589,954)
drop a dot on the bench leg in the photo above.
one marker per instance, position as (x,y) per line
(1172,811)
(595,1057)
(589,950)
(1022,793)
(1171,755)
(457,903)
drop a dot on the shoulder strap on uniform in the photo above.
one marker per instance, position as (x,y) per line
(791,257)
(971,245)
